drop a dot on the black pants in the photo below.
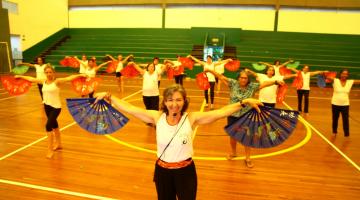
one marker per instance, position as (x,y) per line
(172,183)
(151,102)
(52,114)
(179,79)
(212,94)
(40,90)
(300,94)
(344,110)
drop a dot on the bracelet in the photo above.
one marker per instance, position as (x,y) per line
(242,104)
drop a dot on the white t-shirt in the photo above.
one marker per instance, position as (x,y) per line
(83,66)
(51,94)
(40,73)
(119,67)
(150,84)
(209,75)
(158,70)
(181,147)
(220,68)
(277,70)
(306,81)
(341,93)
(268,94)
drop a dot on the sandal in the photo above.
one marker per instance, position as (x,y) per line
(249,164)
(231,156)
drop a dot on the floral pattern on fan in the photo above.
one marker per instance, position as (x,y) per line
(267,129)
(85,86)
(15,86)
(97,118)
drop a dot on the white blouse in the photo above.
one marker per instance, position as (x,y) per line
(341,93)
(51,94)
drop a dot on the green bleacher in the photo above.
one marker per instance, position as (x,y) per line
(319,51)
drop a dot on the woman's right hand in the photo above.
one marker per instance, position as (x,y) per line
(102,95)
(254,103)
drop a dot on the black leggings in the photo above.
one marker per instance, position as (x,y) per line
(212,94)
(172,183)
(300,94)
(52,114)
(40,90)
(179,79)
(151,102)
(344,110)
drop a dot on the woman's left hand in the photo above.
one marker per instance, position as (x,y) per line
(254,103)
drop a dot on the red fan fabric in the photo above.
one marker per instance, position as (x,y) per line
(284,71)
(187,62)
(233,65)
(85,86)
(70,62)
(280,95)
(298,81)
(179,70)
(329,76)
(112,66)
(202,81)
(170,73)
(129,71)
(15,86)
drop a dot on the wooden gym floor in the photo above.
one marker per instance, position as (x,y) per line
(311,164)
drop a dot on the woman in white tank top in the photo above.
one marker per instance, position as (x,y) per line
(92,69)
(52,105)
(118,69)
(39,67)
(174,138)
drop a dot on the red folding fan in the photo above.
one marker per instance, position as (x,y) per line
(329,76)
(112,66)
(70,62)
(129,71)
(298,81)
(187,62)
(202,81)
(15,86)
(170,72)
(85,86)
(280,95)
(284,71)
(232,65)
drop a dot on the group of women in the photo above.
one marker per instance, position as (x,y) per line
(175,174)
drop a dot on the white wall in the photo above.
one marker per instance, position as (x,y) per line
(116,17)
(38,19)
(319,21)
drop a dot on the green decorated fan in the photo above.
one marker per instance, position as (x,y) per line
(258,67)
(293,65)
(20,69)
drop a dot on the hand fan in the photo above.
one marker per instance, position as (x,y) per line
(202,81)
(293,65)
(85,86)
(267,129)
(15,86)
(284,71)
(129,71)
(329,76)
(170,73)
(20,69)
(187,62)
(321,80)
(111,67)
(258,67)
(70,62)
(298,81)
(100,118)
(233,66)
(280,94)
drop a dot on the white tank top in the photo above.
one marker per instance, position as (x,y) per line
(306,80)
(181,147)
(209,75)
(119,66)
(150,84)
(91,72)
(51,94)
(40,73)
(341,93)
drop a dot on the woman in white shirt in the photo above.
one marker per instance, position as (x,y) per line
(340,101)
(150,88)
(39,67)
(118,69)
(209,65)
(83,63)
(305,90)
(92,69)
(277,65)
(52,104)
(175,173)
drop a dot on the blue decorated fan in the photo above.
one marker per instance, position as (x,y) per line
(267,129)
(100,118)
(321,80)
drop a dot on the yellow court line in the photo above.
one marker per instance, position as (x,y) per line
(298,145)
(49,189)
(331,144)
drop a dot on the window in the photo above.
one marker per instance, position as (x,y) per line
(11,6)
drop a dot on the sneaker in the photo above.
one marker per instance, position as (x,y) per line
(249,164)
